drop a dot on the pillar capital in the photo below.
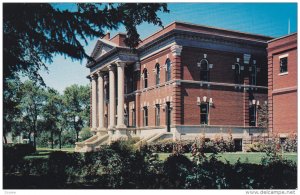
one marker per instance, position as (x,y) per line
(100,73)
(176,50)
(111,67)
(121,63)
(93,76)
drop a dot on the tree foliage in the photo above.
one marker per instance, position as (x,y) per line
(11,112)
(31,106)
(34,32)
(76,99)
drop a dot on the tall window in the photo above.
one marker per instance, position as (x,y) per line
(145,116)
(204,113)
(252,115)
(168,70)
(283,65)
(157,71)
(253,75)
(157,115)
(237,73)
(133,117)
(145,74)
(204,70)
(126,117)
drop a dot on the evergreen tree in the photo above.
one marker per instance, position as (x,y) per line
(35,32)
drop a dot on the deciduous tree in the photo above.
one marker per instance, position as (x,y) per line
(77,100)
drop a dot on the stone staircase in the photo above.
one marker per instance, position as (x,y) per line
(149,139)
(92,144)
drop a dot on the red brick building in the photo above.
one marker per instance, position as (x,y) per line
(183,81)
(282,76)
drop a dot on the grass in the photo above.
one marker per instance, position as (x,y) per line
(232,157)
(44,153)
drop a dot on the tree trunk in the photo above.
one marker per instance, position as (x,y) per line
(77,136)
(59,138)
(29,138)
(52,141)
(34,139)
(5,139)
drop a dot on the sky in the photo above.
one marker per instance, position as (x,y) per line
(269,19)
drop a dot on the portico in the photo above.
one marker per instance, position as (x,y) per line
(116,125)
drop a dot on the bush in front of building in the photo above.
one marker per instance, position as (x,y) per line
(119,166)
(217,145)
(274,144)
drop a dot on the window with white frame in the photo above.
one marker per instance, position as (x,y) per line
(283,65)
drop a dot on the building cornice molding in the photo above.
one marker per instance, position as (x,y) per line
(200,40)
(282,47)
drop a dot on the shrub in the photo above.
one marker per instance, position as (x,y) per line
(176,168)
(274,144)
(13,155)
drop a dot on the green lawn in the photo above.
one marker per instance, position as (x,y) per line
(232,157)
(44,152)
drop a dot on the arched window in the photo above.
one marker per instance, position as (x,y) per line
(145,75)
(237,73)
(157,71)
(204,70)
(168,70)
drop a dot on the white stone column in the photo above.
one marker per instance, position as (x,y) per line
(94,102)
(101,100)
(120,68)
(112,97)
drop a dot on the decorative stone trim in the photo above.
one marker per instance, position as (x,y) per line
(176,50)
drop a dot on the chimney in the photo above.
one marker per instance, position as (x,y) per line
(107,36)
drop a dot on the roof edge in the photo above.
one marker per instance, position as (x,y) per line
(282,37)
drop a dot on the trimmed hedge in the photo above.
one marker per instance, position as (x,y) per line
(119,166)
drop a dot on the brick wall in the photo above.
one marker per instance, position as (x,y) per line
(282,95)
